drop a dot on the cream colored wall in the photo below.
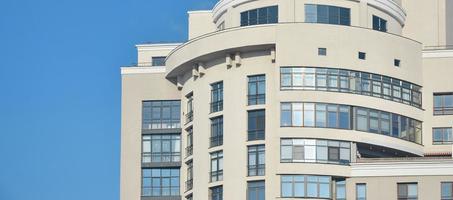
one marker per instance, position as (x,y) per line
(145,52)
(200,23)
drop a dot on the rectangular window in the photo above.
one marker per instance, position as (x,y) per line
(216,193)
(216,166)
(362,55)
(256,90)
(407,191)
(266,15)
(189,147)
(216,131)
(161,115)
(189,182)
(327,14)
(256,160)
(189,115)
(322,51)
(216,97)
(340,188)
(379,24)
(442,136)
(447,190)
(443,104)
(158,61)
(297,186)
(303,114)
(256,125)
(161,148)
(160,182)
(320,151)
(360,191)
(256,190)
(396,62)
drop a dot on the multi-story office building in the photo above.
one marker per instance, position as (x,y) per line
(294,99)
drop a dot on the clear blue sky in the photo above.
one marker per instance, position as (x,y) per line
(60,90)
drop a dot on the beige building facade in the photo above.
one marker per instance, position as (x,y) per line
(294,99)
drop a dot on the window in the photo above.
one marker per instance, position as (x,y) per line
(297,186)
(256,160)
(216,131)
(189,115)
(379,24)
(447,190)
(315,115)
(362,55)
(160,182)
(189,182)
(348,81)
(256,125)
(327,14)
(189,197)
(216,97)
(322,51)
(443,104)
(158,61)
(216,193)
(256,90)
(216,166)
(189,147)
(360,191)
(340,188)
(266,15)
(161,115)
(407,191)
(161,148)
(396,62)
(256,190)
(442,136)
(310,150)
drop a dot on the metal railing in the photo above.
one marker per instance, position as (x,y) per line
(189,150)
(189,185)
(216,141)
(216,176)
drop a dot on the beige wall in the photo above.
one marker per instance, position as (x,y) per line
(200,23)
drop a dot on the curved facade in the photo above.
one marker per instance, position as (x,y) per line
(313,99)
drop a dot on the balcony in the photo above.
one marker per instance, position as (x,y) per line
(189,185)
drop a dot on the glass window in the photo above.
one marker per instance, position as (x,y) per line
(158,61)
(256,190)
(332,118)
(311,13)
(362,55)
(217,97)
(189,182)
(360,191)
(189,115)
(160,182)
(266,15)
(256,125)
(322,51)
(216,131)
(443,104)
(321,151)
(216,166)
(305,186)
(362,119)
(340,187)
(161,115)
(309,114)
(286,114)
(216,193)
(256,160)
(256,90)
(327,14)
(161,148)
(189,147)
(344,117)
(396,62)
(321,115)
(379,24)
(407,191)
(447,190)
(442,136)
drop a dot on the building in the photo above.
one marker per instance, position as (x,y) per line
(290,99)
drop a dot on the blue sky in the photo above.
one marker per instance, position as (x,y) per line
(60,90)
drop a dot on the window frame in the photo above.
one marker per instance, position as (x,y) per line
(217,174)
(255,152)
(216,97)
(256,81)
(444,132)
(258,117)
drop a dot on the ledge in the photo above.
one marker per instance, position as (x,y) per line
(416,167)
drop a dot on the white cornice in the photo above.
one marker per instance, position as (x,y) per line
(438,53)
(157,47)
(412,168)
(142,70)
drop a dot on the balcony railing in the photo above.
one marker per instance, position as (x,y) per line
(256,135)
(256,99)
(216,106)
(443,111)
(189,150)
(189,117)
(216,176)
(189,185)
(256,170)
(216,141)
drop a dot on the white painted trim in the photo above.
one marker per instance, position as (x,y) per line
(408,168)
(199,11)
(142,70)
(438,53)
(157,47)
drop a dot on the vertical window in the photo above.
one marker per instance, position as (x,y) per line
(216,193)
(189,182)
(161,115)
(161,148)
(321,113)
(216,166)
(216,97)
(256,190)
(189,147)
(256,160)
(379,24)
(443,104)
(216,131)
(407,191)
(442,136)
(189,115)
(362,119)
(360,191)
(305,186)
(256,90)
(160,182)
(266,15)
(158,61)
(362,55)
(309,114)
(396,62)
(340,188)
(256,125)
(322,51)
(327,14)
(447,191)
